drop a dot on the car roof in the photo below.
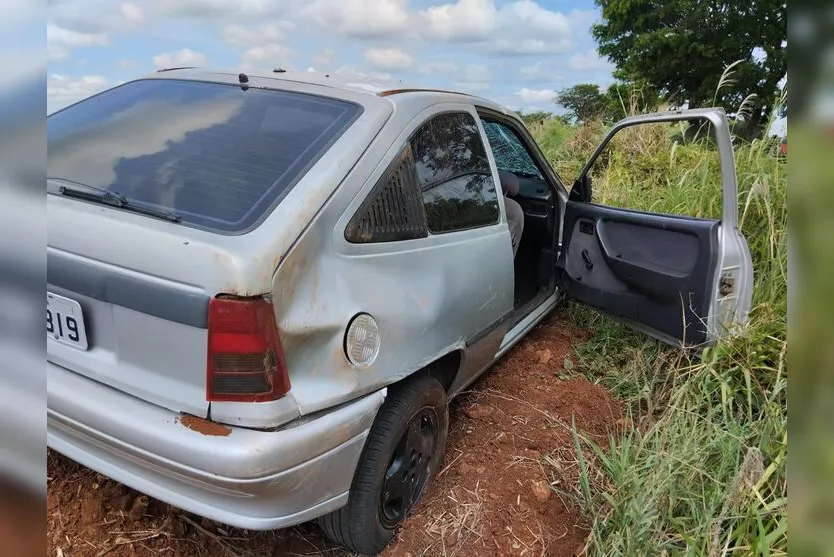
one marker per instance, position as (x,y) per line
(369,85)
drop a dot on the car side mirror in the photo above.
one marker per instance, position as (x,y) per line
(581,190)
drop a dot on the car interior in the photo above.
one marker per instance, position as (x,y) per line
(535,259)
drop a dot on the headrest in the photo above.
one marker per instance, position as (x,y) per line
(509,182)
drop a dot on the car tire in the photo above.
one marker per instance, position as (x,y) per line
(402,453)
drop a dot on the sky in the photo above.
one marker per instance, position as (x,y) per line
(516,52)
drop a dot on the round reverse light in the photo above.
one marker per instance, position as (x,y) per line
(362,340)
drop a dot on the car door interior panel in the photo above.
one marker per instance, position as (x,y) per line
(539,204)
(644,267)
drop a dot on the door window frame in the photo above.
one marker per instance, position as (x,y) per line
(531,145)
(551,177)
(721,135)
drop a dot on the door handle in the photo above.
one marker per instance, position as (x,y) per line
(588,263)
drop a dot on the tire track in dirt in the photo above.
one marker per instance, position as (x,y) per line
(505,488)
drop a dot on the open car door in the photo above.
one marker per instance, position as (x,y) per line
(684,280)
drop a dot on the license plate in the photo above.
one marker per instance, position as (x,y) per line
(65,321)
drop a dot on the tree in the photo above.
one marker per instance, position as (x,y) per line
(584,102)
(536,117)
(682,47)
(624,99)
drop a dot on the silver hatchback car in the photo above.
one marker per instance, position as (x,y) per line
(263,290)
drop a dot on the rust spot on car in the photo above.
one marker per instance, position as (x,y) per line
(291,268)
(389,92)
(233,290)
(204,426)
(726,285)
(276,262)
(339,359)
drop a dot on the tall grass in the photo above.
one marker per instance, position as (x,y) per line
(703,470)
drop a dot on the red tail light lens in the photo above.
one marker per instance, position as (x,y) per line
(245,358)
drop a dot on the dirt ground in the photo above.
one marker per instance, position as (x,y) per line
(506,487)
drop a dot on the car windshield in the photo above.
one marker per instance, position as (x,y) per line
(218,155)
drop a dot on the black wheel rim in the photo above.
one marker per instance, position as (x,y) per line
(409,468)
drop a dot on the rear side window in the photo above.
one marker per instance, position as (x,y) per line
(219,156)
(454,175)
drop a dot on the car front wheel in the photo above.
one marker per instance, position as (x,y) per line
(403,452)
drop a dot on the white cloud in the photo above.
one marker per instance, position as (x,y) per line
(184,57)
(220,9)
(532,29)
(256,35)
(465,20)
(531,46)
(519,27)
(583,19)
(349,73)
(358,18)
(536,17)
(60,42)
(62,90)
(266,42)
(535,95)
(472,87)
(474,78)
(325,57)
(96,16)
(389,58)
(533,70)
(476,72)
(272,55)
(132,13)
(126,64)
(540,71)
(588,60)
(437,67)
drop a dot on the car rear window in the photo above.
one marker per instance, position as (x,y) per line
(218,155)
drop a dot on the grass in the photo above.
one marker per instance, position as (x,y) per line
(703,470)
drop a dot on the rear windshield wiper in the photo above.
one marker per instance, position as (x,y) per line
(95,194)
(112,198)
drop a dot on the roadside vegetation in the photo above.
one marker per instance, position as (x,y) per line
(700,467)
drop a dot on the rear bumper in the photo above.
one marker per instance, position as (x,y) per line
(251,479)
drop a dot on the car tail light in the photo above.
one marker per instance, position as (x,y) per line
(245,359)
